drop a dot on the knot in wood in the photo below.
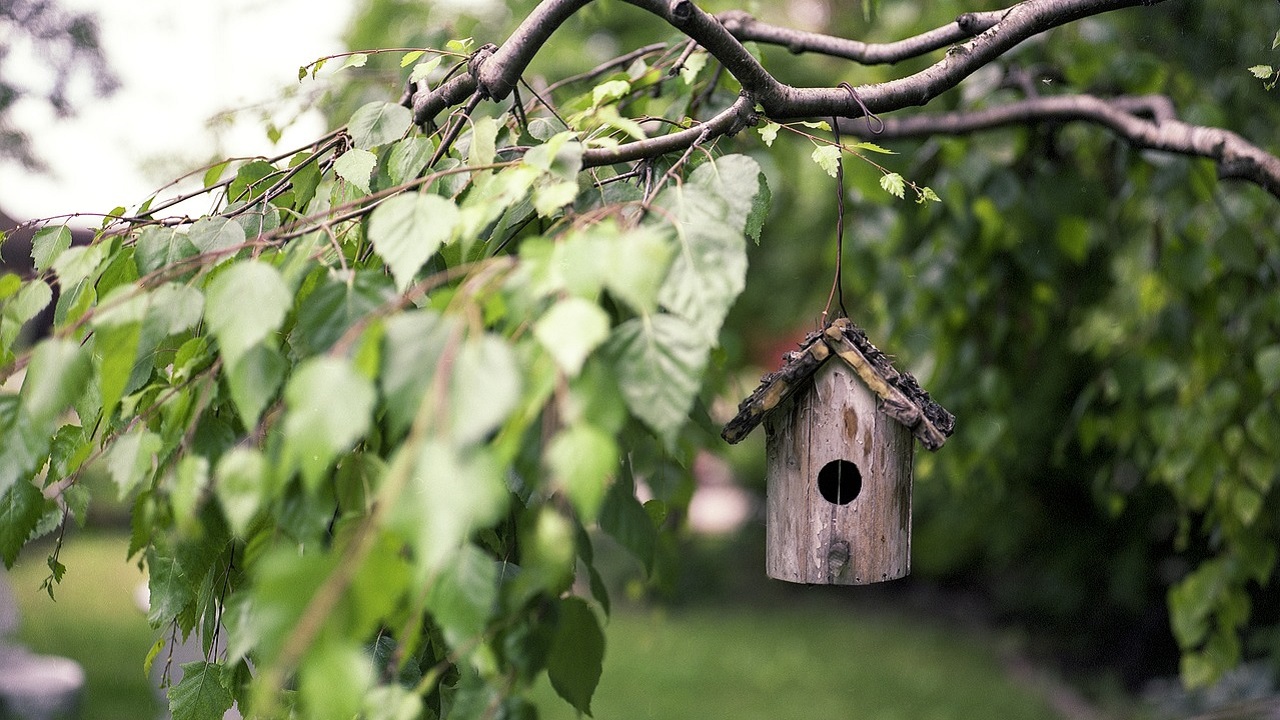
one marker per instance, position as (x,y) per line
(476,61)
(838,556)
(681,10)
(968,22)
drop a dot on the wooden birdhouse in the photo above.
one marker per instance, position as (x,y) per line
(839,426)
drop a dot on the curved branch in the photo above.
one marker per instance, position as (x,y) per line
(496,73)
(737,116)
(1147,122)
(746,28)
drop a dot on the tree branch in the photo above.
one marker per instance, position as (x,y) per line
(1147,122)
(746,28)
(496,72)
(739,115)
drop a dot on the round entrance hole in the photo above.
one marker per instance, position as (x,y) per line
(839,481)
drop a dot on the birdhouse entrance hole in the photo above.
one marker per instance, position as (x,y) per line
(839,481)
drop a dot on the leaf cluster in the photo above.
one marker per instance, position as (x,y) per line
(370,410)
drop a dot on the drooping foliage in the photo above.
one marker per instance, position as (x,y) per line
(367,410)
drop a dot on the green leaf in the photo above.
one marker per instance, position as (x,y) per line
(408,229)
(392,702)
(451,494)
(659,363)
(414,345)
(333,680)
(769,133)
(79,263)
(58,372)
(560,156)
(893,184)
(241,486)
(761,202)
(152,654)
(331,309)
(423,70)
(21,506)
(1276,42)
(25,446)
(214,173)
(253,380)
(161,247)
(186,491)
(638,262)
(48,244)
(117,346)
(1193,599)
(582,459)
(378,123)
(549,198)
(464,595)
(484,136)
(201,695)
(817,124)
(132,459)
(571,330)
(710,269)
(410,58)
(871,147)
(827,157)
(26,302)
(330,406)
(244,305)
(356,167)
(626,520)
(354,60)
(10,284)
(462,45)
(485,387)
(172,586)
(609,91)
(216,235)
(249,182)
(577,654)
(409,158)
(692,66)
(1267,363)
(1261,72)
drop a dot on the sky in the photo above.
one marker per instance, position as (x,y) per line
(180,64)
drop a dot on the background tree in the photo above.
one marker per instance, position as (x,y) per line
(368,409)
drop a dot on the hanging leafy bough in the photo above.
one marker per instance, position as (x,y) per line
(367,409)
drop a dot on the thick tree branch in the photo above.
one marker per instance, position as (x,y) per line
(746,28)
(1147,122)
(496,72)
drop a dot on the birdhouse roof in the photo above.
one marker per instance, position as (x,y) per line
(901,396)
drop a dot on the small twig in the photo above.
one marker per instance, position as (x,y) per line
(454,130)
(606,66)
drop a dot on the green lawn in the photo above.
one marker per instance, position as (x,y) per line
(809,656)
(94,621)
(814,659)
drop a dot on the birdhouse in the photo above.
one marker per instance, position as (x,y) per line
(840,425)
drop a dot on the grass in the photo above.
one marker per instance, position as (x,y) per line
(813,659)
(810,656)
(94,621)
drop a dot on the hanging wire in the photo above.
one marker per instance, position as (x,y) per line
(837,284)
